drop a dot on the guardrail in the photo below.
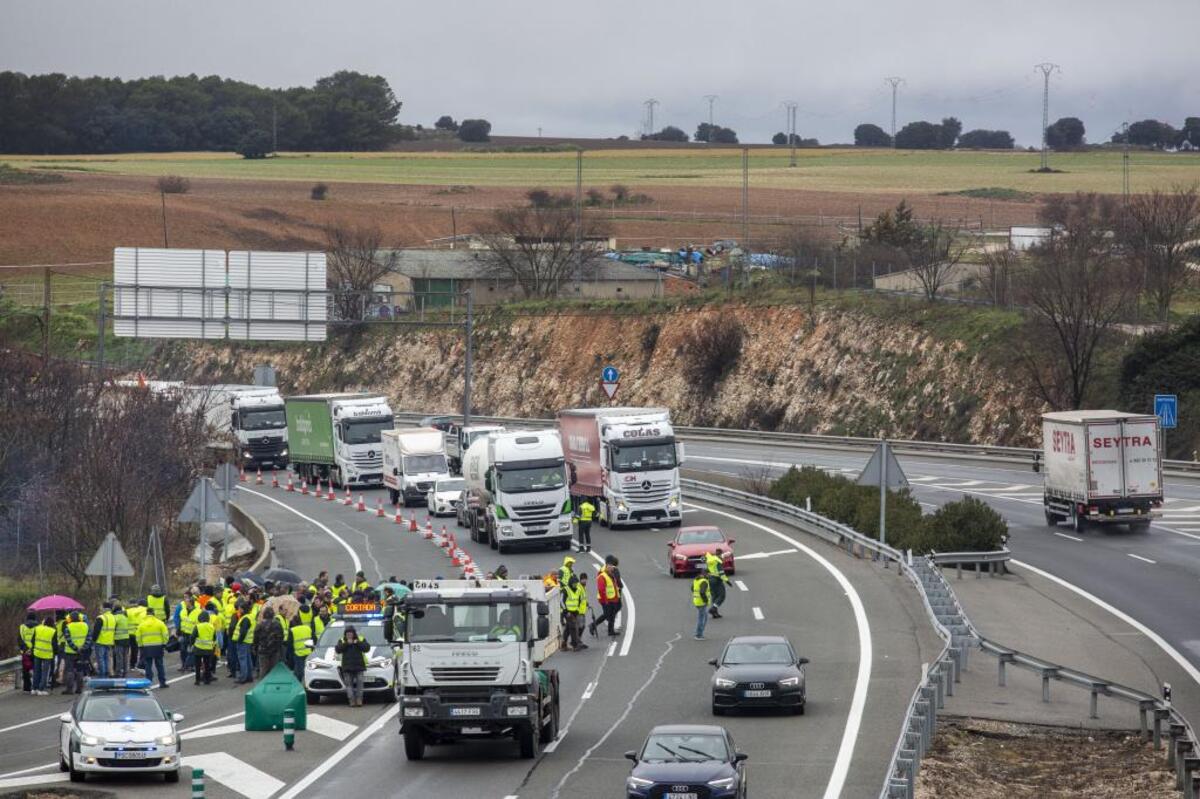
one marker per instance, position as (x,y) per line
(12,666)
(929,449)
(993,560)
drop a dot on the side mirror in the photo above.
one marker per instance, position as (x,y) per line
(801,661)
(65,718)
(679,456)
(712,662)
(543,608)
(543,627)
(670,545)
(741,757)
(733,541)
(176,717)
(631,755)
(395,472)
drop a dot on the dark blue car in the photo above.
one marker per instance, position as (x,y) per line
(687,761)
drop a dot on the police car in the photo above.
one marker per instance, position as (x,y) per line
(321,677)
(118,726)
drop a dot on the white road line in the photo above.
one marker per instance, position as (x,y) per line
(587,692)
(758,614)
(611,648)
(628,614)
(195,727)
(741,586)
(236,775)
(1068,537)
(310,520)
(858,702)
(212,732)
(20,782)
(31,722)
(330,727)
(1139,557)
(755,555)
(29,770)
(1171,651)
(337,757)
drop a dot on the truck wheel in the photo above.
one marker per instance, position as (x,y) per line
(550,728)
(528,738)
(502,548)
(1077,521)
(604,521)
(394,496)
(414,744)
(1051,518)
(491,537)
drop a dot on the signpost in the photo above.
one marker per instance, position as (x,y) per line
(1166,408)
(884,471)
(610,379)
(226,478)
(109,561)
(203,506)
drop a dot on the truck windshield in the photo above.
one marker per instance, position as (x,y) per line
(533,478)
(643,457)
(420,464)
(450,623)
(263,419)
(366,431)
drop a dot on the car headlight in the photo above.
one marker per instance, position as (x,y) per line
(674,503)
(247,454)
(621,506)
(91,740)
(506,529)
(564,527)
(414,712)
(380,663)
(312,665)
(721,682)
(283,452)
(724,782)
(790,682)
(166,740)
(638,782)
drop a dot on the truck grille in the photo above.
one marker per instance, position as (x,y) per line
(464,673)
(265,446)
(539,512)
(648,492)
(366,461)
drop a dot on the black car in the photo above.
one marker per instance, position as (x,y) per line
(758,671)
(437,422)
(687,761)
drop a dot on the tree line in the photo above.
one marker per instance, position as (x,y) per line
(1067,133)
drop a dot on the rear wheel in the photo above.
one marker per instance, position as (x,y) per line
(1052,519)
(394,496)
(414,744)
(1139,527)
(1077,521)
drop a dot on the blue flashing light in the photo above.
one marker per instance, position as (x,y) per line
(116,683)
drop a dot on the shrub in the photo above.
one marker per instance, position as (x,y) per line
(713,352)
(173,184)
(620,193)
(255,144)
(319,191)
(968,525)
(475,130)
(594,197)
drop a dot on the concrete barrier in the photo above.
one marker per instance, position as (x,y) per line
(254,532)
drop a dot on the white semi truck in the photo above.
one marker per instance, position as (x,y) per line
(414,458)
(473,663)
(626,461)
(517,490)
(337,437)
(459,439)
(1101,466)
(251,418)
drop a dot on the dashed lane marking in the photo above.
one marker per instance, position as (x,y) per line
(758,614)
(236,775)
(1144,560)
(1069,537)
(741,586)
(330,727)
(755,555)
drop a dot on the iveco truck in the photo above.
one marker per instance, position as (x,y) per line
(414,458)
(472,664)
(250,417)
(517,490)
(626,461)
(338,437)
(1101,467)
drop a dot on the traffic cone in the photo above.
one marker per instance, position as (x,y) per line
(317,490)
(379,510)
(429,526)
(454,559)
(303,487)
(330,497)
(242,475)
(349,500)
(362,504)
(399,516)
(274,479)
(258,480)
(412,521)
(291,487)
(427,534)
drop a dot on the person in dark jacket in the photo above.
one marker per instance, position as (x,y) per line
(352,655)
(268,641)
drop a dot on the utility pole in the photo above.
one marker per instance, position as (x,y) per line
(163,196)
(1125,164)
(1047,69)
(46,303)
(469,356)
(791,106)
(711,98)
(650,114)
(896,83)
(578,221)
(274,130)
(745,208)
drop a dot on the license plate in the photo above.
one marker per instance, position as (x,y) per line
(129,755)
(465,711)
(756,694)
(679,795)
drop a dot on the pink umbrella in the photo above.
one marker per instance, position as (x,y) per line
(56,602)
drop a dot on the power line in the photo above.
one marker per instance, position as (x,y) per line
(649,104)
(791,106)
(896,82)
(1047,69)
(711,98)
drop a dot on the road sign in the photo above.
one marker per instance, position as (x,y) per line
(109,562)
(203,505)
(1166,408)
(610,379)
(610,389)
(893,474)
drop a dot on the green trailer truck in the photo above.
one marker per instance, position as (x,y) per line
(337,437)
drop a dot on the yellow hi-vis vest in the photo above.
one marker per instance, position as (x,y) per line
(152,631)
(610,590)
(135,614)
(157,606)
(700,591)
(301,635)
(573,598)
(713,562)
(206,636)
(586,509)
(77,633)
(187,622)
(26,632)
(120,628)
(43,642)
(107,622)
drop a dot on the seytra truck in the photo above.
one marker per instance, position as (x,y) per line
(517,490)
(414,458)
(626,461)
(251,417)
(473,664)
(459,439)
(1101,466)
(338,437)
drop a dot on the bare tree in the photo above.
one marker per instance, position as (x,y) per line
(1000,269)
(1162,230)
(356,260)
(1077,286)
(535,247)
(935,255)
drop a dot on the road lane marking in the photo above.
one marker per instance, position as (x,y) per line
(20,782)
(329,727)
(758,614)
(236,775)
(563,729)
(337,757)
(212,732)
(195,727)
(1171,651)
(858,702)
(29,770)
(31,722)
(1139,557)
(310,520)
(755,555)
(611,648)
(1069,537)
(741,586)
(587,692)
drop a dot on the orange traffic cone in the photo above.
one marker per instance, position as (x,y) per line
(303,487)
(274,479)
(362,504)
(379,510)
(330,496)
(399,516)
(454,559)
(242,475)
(412,521)
(349,500)
(258,480)
(428,526)
(291,487)
(317,490)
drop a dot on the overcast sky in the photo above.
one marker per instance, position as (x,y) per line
(584,68)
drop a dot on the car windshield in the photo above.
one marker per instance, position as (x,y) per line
(466,623)
(684,747)
(700,537)
(542,478)
(121,707)
(451,485)
(774,653)
(423,464)
(264,419)
(371,633)
(642,457)
(366,431)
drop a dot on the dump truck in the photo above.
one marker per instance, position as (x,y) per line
(473,663)
(338,437)
(1102,467)
(414,458)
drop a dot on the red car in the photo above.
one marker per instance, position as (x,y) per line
(685,554)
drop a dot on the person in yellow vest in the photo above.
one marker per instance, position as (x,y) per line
(608,592)
(186,628)
(243,640)
(156,603)
(25,644)
(120,667)
(45,638)
(151,636)
(135,611)
(701,597)
(584,519)
(301,637)
(360,583)
(574,596)
(714,564)
(204,644)
(103,637)
(339,587)
(75,642)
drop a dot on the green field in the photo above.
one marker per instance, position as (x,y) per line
(852,170)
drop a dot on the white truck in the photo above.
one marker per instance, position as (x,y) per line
(626,461)
(459,439)
(251,417)
(472,663)
(414,458)
(517,490)
(337,436)
(1101,466)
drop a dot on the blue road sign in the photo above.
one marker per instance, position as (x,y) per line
(1166,408)
(609,374)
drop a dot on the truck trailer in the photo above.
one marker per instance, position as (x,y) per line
(414,458)
(473,664)
(1101,466)
(626,461)
(338,437)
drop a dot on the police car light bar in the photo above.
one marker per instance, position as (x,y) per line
(100,684)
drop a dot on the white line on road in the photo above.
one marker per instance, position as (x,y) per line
(611,648)
(20,782)
(758,614)
(1171,651)
(337,757)
(587,692)
(31,722)
(329,727)
(195,727)
(311,520)
(237,775)
(212,732)
(1068,537)
(741,586)
(1139,557)
(858,702)
(755,555)
(29,770)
